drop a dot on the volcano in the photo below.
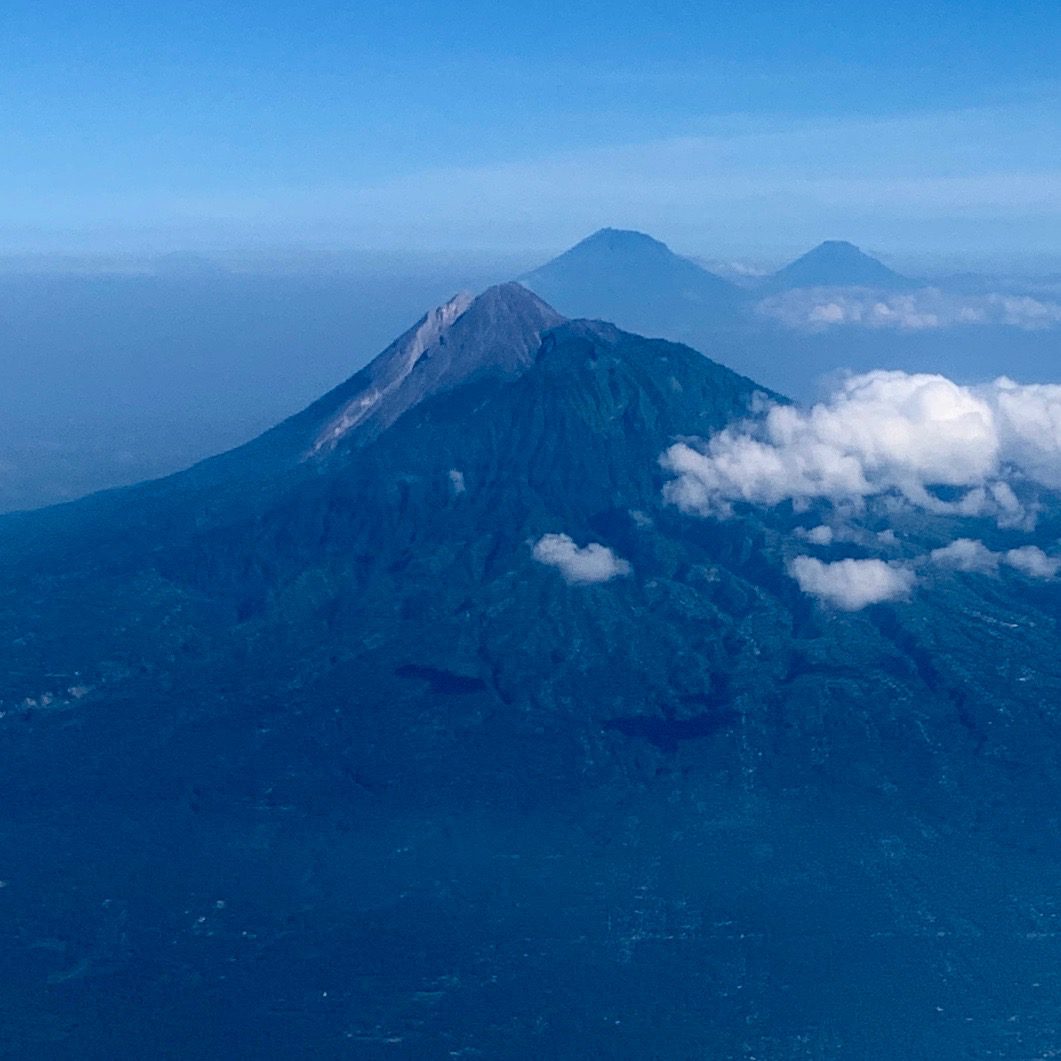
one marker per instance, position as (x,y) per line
(424,725)
(836,263)
(638,282)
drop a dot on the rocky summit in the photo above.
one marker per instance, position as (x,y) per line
(425,725)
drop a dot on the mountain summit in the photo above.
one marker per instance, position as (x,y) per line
(494,334)
(635,281)
(835,263)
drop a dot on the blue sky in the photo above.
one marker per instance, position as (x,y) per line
(496,125)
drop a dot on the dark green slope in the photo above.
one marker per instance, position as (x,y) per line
(357,776)
(577,435)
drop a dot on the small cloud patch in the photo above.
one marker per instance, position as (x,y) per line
(852,584)
(579,565)
(966,554)
(820,535)
(818,309)
(1032,561)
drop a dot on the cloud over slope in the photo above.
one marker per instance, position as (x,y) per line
(591,563)
(852,584)
(943,447)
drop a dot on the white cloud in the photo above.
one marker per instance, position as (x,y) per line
(820,535)
(816,309)
(883,432)
(827,313)
(1033,562)
(851,584)
(842,531)
(1026,312)
(1030,427)
(456,481)
(966,554)
(592,563)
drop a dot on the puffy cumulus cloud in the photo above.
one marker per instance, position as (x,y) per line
(592,563)
(1029,418)
(852,584)
(883,432)
(966,554)
(817,309)
(1033,562)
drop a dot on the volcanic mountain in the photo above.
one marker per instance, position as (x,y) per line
(424,726)
(835,263)
(636,281)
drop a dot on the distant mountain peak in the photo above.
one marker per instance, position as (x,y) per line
(614,239)
(610,243)
(839,251)
(632,279)
(836,263)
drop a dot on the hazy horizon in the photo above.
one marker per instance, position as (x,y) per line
(404,262)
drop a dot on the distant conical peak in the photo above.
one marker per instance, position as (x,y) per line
(837,247)
(835,262)
(632,234)
(636,281)
(611,249)
(613,239)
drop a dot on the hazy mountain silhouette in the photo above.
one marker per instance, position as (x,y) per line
(307,744)
(631,278)
(835,263)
